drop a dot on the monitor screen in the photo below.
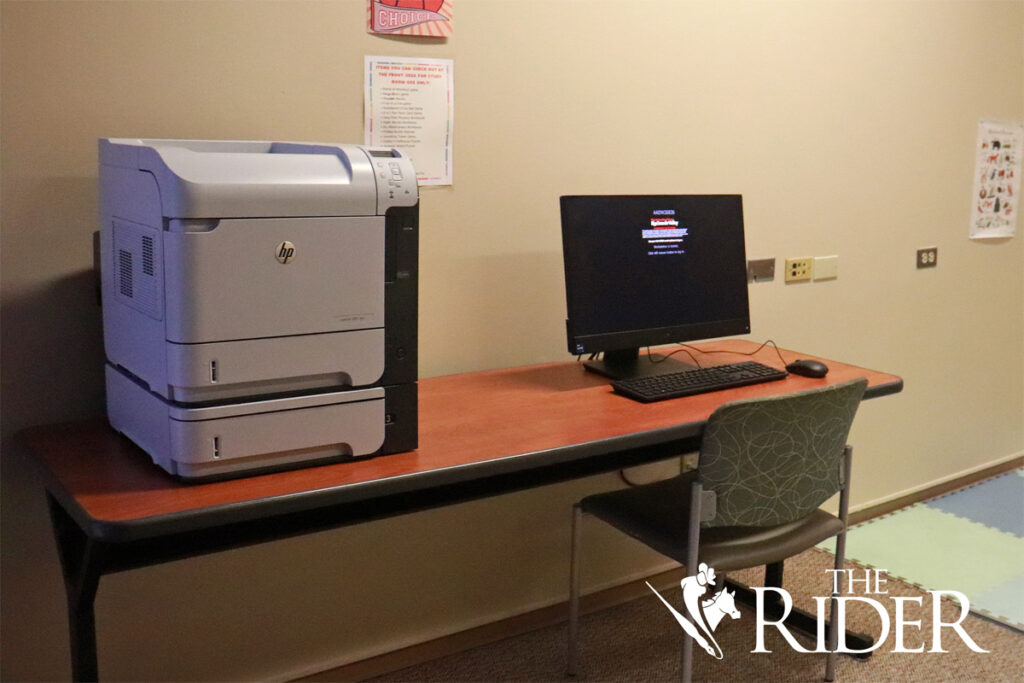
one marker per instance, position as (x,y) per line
(645,270)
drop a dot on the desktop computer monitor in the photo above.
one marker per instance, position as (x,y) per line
(646,270)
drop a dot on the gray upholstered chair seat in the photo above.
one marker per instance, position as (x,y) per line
(656,515)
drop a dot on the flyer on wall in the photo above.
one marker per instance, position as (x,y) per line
(997,168)
(408,105)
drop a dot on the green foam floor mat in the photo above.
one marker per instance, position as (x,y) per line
(929,546)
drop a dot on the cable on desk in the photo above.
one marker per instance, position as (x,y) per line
(686,349)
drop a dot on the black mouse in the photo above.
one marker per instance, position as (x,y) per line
(808,368)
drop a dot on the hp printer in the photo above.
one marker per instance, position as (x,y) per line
(259,302)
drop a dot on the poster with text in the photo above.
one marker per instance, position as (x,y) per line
(409,106)
(997,168)
(425,18)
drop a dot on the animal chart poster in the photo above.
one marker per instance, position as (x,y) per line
(997,168)
(425,18)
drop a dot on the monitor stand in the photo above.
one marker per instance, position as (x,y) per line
(628,363)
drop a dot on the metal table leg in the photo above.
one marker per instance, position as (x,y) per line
(81,560)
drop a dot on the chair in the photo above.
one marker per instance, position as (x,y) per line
(765,465)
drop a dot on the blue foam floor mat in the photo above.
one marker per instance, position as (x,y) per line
(997,503)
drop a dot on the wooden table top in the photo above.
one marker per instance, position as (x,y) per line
(508,418)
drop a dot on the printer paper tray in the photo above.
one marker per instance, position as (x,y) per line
(246,436)
(250,367)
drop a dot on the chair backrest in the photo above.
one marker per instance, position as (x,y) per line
(774,460)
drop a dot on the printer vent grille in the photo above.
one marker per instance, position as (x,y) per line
(138,263)
(124,273)
(147,255)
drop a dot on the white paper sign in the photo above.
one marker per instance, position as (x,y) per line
(408,106)
(996,199)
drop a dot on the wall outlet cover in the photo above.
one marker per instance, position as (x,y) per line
(826,267)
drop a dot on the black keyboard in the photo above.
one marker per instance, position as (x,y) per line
(697,381)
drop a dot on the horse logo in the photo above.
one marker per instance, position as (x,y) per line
(705,615)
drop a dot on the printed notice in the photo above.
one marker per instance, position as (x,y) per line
(408,106)
(997,169)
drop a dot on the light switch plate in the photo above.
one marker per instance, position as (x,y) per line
(826,267)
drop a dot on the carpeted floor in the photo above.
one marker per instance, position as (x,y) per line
(640,641)
(971,540)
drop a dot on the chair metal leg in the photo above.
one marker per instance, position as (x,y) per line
(574,591)
(844,513)
(686,665)
(833,621)
(692,554)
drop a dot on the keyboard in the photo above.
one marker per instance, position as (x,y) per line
(697,381)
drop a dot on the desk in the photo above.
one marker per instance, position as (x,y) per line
(480,434)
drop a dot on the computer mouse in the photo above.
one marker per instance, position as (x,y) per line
(808,368)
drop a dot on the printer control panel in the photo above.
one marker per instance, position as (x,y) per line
(396,179)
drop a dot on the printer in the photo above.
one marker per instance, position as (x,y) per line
(259,302)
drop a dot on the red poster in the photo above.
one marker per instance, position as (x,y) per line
(432,18)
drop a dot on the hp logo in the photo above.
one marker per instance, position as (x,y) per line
(284,252)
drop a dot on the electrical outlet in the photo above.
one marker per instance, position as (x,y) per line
(799,269)
(928,257)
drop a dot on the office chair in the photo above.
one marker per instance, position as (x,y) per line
(765,465)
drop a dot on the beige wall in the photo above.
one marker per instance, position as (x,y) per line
(847,126)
